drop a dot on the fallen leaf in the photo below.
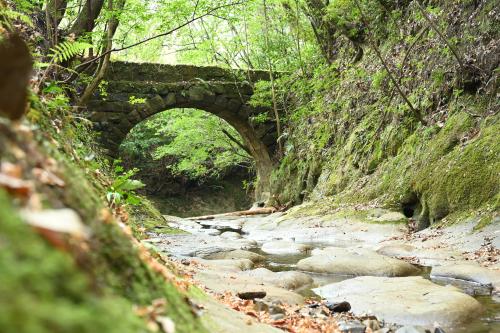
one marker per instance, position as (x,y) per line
(167,325)
(11,169)
(16,186)
(47,177)
(57,220)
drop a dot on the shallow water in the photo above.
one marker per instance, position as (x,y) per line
(488,322)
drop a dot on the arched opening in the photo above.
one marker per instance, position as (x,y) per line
(192,162)
(127,103)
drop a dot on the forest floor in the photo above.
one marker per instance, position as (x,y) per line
(295,272)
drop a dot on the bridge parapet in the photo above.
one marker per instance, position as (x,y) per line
(130,71)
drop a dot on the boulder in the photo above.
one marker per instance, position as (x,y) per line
(412,301)
(220,281)
(284,247)
(468,272)
(355,262)
(288,280)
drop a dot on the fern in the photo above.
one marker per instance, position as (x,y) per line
(68,49)
(6,15)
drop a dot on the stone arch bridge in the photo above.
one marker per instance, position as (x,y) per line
(222,92)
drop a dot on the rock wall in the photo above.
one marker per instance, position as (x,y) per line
(358,143)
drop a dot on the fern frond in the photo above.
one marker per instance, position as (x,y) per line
(68,49)
(9,14)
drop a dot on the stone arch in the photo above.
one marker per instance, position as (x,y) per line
(128,103)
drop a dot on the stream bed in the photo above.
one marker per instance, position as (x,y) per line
(207,238)
(488,322)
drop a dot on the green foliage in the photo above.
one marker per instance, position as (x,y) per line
(123,188)
(233,37)
(134,100)
(66,50)
(7,15)
(191,142)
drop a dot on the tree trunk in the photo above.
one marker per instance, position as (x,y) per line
(85,22)
(103,65)
(323,30)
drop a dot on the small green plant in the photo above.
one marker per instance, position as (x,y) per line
(260,118)
(122,191)
(66,50)
(134,100)
(103,88)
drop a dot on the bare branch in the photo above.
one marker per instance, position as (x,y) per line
(236,141)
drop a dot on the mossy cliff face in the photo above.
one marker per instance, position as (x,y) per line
(353,139)
(92,286)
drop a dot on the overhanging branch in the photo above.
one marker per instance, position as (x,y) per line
(209,12)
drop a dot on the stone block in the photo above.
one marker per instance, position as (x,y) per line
(233,104)
(170,99)
(198,93)
(156,103)
(221,101)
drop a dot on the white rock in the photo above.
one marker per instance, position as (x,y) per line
(284,247)
(355,262)
(230,235)
(404,300)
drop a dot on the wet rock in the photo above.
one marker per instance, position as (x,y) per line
(288,280)
(411,329)
(352,326)
(439,330)
(468,272)
(234,224)
(251,294)
(338,307)
(230,235)
(209,232)
(183,224)
(355,262)
(237,254)
(284,247)
(208,251)
(404,300)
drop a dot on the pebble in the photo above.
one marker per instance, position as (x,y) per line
(276,317)
(338,307)
(270,307)
(251,294)
(353,326)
